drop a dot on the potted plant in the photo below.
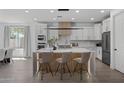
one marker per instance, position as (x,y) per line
(52,42)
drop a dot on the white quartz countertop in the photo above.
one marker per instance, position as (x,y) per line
(73,50)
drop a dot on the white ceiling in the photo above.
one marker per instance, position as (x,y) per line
(44,15)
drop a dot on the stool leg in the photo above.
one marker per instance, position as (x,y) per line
(61,76)
(63,68)
(41,72)
(68,69)
(80,71)
(39,68)
(46,67)
(75,68)
(50,69)
(57,69)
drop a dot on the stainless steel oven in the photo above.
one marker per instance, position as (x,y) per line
(41,45)
(41,38)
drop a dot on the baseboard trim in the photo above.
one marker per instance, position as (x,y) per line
(99,59)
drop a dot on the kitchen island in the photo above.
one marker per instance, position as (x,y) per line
(75,52)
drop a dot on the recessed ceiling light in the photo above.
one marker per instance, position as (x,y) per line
(72,18)
(77,11)
(51,11)
(92,18)
(35,19)
(102,11)
(26,11)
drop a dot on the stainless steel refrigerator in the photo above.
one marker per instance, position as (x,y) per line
(106,48)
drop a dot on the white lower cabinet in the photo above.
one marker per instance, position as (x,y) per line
(99,53)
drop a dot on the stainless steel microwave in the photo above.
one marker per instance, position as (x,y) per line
(41,37)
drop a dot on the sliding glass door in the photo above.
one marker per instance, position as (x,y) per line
(16,40)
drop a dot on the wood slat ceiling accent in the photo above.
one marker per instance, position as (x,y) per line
(65,32)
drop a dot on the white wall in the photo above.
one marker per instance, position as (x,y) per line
(2,35)
(33,41)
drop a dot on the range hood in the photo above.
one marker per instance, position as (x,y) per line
(65,28)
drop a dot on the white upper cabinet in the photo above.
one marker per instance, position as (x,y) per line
(76,35)
(83,34)
(106,25)
(90,34)
(98,31)
(41,28)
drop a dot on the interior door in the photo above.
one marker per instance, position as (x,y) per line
(119,42)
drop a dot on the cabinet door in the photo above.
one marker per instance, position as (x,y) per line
(90,34)
(99,53)
(72,35)
(53,34)
(104,29)
(98,31)
(103,26)
(76,35)
(43,29)
(79,34)
(85,34)
(108,24)
(99,50)
(37,29)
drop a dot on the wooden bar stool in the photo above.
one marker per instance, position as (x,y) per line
(44,63)
(81,61)
(62,63)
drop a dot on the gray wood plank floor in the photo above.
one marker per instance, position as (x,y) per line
(21,71)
